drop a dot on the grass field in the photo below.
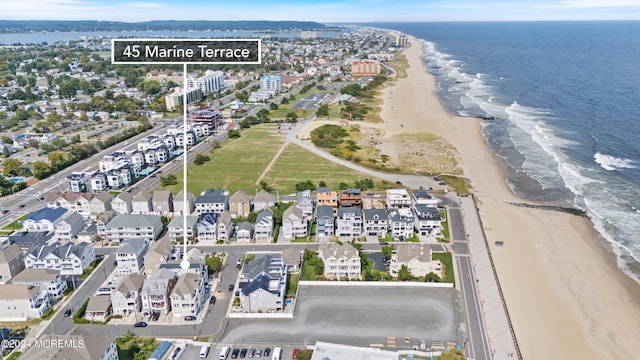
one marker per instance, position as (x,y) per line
(236,165)
(296,165)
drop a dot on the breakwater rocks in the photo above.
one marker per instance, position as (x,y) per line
(568,210)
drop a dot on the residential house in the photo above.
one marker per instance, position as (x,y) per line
(197,267)
(239,204)
(45,219)
(263,200)
(162,202)
(130,256)
(263,285)
(398,198)
(349,223)
(294,224)
(263,229)
(225,227)
(244,231)
(188,295)
(177,229)
(125,298)
(351,198)
(98,308)
(401,224)
(102,221)
(69,227)
(69,259)
(22,302)
(325,221)
(179,204)
(98,347)
(78,202)
(417,258)
(11,262)
(376,223)
(89,234)
(122,204)
(292,259)
(123,227)
(142,203)
(100,203)
(212,200)
(304,201)
(423,197)
(340,261)
(156,291)
(207,227)
(326,197)
(160,252)
(427,220)
(46,279)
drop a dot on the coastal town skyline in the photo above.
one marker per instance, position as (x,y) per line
(324,10)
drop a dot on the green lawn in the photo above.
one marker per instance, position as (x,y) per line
(296,165)
(14,224)
(237,164)
(447,263)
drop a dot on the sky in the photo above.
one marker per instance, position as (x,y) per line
(324,11)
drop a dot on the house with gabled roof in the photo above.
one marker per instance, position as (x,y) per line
(264,226)
(102,221)
(294,224)
(225,227)
(244,231)
(418,258)
(427,220)
(45,219)
(207,227)
(263,200)
(21,302)
(46,278)
(188,295)
(240,204)
(292,258)
(212,200)
(142,203)
(325,221)
(401,223)
(125,298)
(156,290)
(78,202)
(123,227)
(69,259)
(179,205)
(176,228)
(162,202)
(130,256)
(100,203)
(11,262)
(304,201)
(122,204)
(262,288)
(340,261)
(98,308)
(349,223)
(375,223)
(160,252)
(69,227)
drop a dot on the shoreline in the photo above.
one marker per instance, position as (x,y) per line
(567,301)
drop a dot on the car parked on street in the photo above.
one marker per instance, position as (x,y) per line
(140,324)
(189,318)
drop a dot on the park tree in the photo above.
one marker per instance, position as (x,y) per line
(265,186)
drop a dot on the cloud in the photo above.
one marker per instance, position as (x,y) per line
(146,5)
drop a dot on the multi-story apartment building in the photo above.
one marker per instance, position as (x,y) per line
(349,223)
(46,279)
(340,261)
(130,256)
(22,302)
(124,227)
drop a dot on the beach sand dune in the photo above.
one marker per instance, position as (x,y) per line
(566,297)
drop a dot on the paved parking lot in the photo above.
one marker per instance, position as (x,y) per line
(358,315)
(310,101)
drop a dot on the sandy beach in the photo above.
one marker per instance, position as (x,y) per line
(566,297)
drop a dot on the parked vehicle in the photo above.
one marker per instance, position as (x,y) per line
(140,324)
(204,351)
(189,318)
(212,301)
(230,287)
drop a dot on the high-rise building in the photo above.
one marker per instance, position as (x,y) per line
(271,82)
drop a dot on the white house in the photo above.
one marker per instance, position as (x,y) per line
(188,295)
(398,198)
(69,227)
(125,298)
(263,229)
(45,219)
(349,223)
(22,302)
(376,223)
(46,278)
(130,256)
(294,224)
(340,261)
(69,259)
(124,227)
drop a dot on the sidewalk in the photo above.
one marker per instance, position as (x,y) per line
(501,343)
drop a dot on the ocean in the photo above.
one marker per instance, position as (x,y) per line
(561,106)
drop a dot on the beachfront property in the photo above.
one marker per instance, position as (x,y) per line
(162,202)
(263,200)
(142,203)
(401,224)
(427,221)
(365,67)
(179,205)
(398,198)
(324,196)
(22,302)
(350,198)
(122,203)
(376,223)
(341,262)
(305,202)
(416,257)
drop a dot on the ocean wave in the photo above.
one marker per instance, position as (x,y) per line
(611,163)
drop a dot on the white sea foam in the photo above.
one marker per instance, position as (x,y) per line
(611,163)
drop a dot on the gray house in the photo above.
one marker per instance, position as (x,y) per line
(263,200)
(212,200)
(142,203)
(263,288)
(263,229)
(130,256)
(122,203)
(325,221)
(376,223)
(162,202)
